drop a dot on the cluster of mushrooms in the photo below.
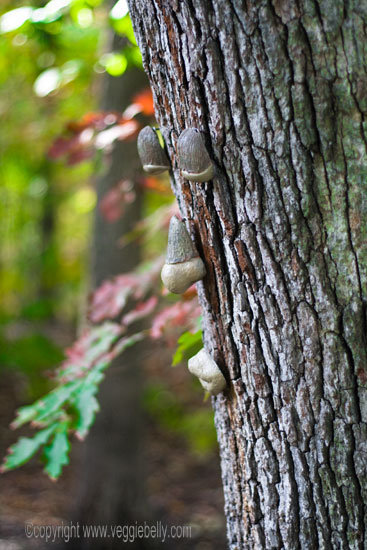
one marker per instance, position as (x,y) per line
(183,266)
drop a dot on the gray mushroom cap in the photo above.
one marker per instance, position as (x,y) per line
(194,160)
(152,156)
(180,247)
(183,266)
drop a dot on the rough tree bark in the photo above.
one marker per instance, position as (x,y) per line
(279,89)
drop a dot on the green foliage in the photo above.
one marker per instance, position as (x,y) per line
(198,428)
(174,415)
(123,26)
(114,63)
(87,406)
(49,59)
(188,345)
(56,454)
(71,407)
(44,410)
(30,354)
(46,72)
(26,447)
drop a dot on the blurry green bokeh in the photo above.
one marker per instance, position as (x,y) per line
(173,413)
(48,54)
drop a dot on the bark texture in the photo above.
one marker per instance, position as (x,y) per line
(279,90)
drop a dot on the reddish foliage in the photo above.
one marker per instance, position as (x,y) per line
(141,310)
(94,345)
(75,146)
(98,130)
(141,103)
(61,146)
(156,184)
(113,203)
(180,314)
(99,120)
(93,131)
(78,156)
(110,298)
(124,131)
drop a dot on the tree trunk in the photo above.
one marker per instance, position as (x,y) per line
(279,90)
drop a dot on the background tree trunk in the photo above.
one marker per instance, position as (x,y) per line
(279,89)
(110,478)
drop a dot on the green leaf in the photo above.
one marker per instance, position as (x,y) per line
(87,406)
(54,400)
(26,447)
(128,342)
(24,415)
(57,452)
(50,410)
(84,398)
(47,406)
(188,345)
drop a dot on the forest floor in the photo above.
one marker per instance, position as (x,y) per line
(183,488)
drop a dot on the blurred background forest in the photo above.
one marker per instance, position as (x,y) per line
(76,210)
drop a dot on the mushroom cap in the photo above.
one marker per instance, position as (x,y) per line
(152,156)
(180,247)
(178,277)
(194,160)
(206,369)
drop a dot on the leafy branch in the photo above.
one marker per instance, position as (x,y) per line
(72,406)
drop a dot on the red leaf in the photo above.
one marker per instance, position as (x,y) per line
(155,184)
(78,156)
(111,297)
(77,147)
(141,310)
(61,146)
(93,345)
(98,120)
(178,314)
(89,119)
(144,100)
(122,131)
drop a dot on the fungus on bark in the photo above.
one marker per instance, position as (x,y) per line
(208,372)
(183,265)
(152,155)
(194,160)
